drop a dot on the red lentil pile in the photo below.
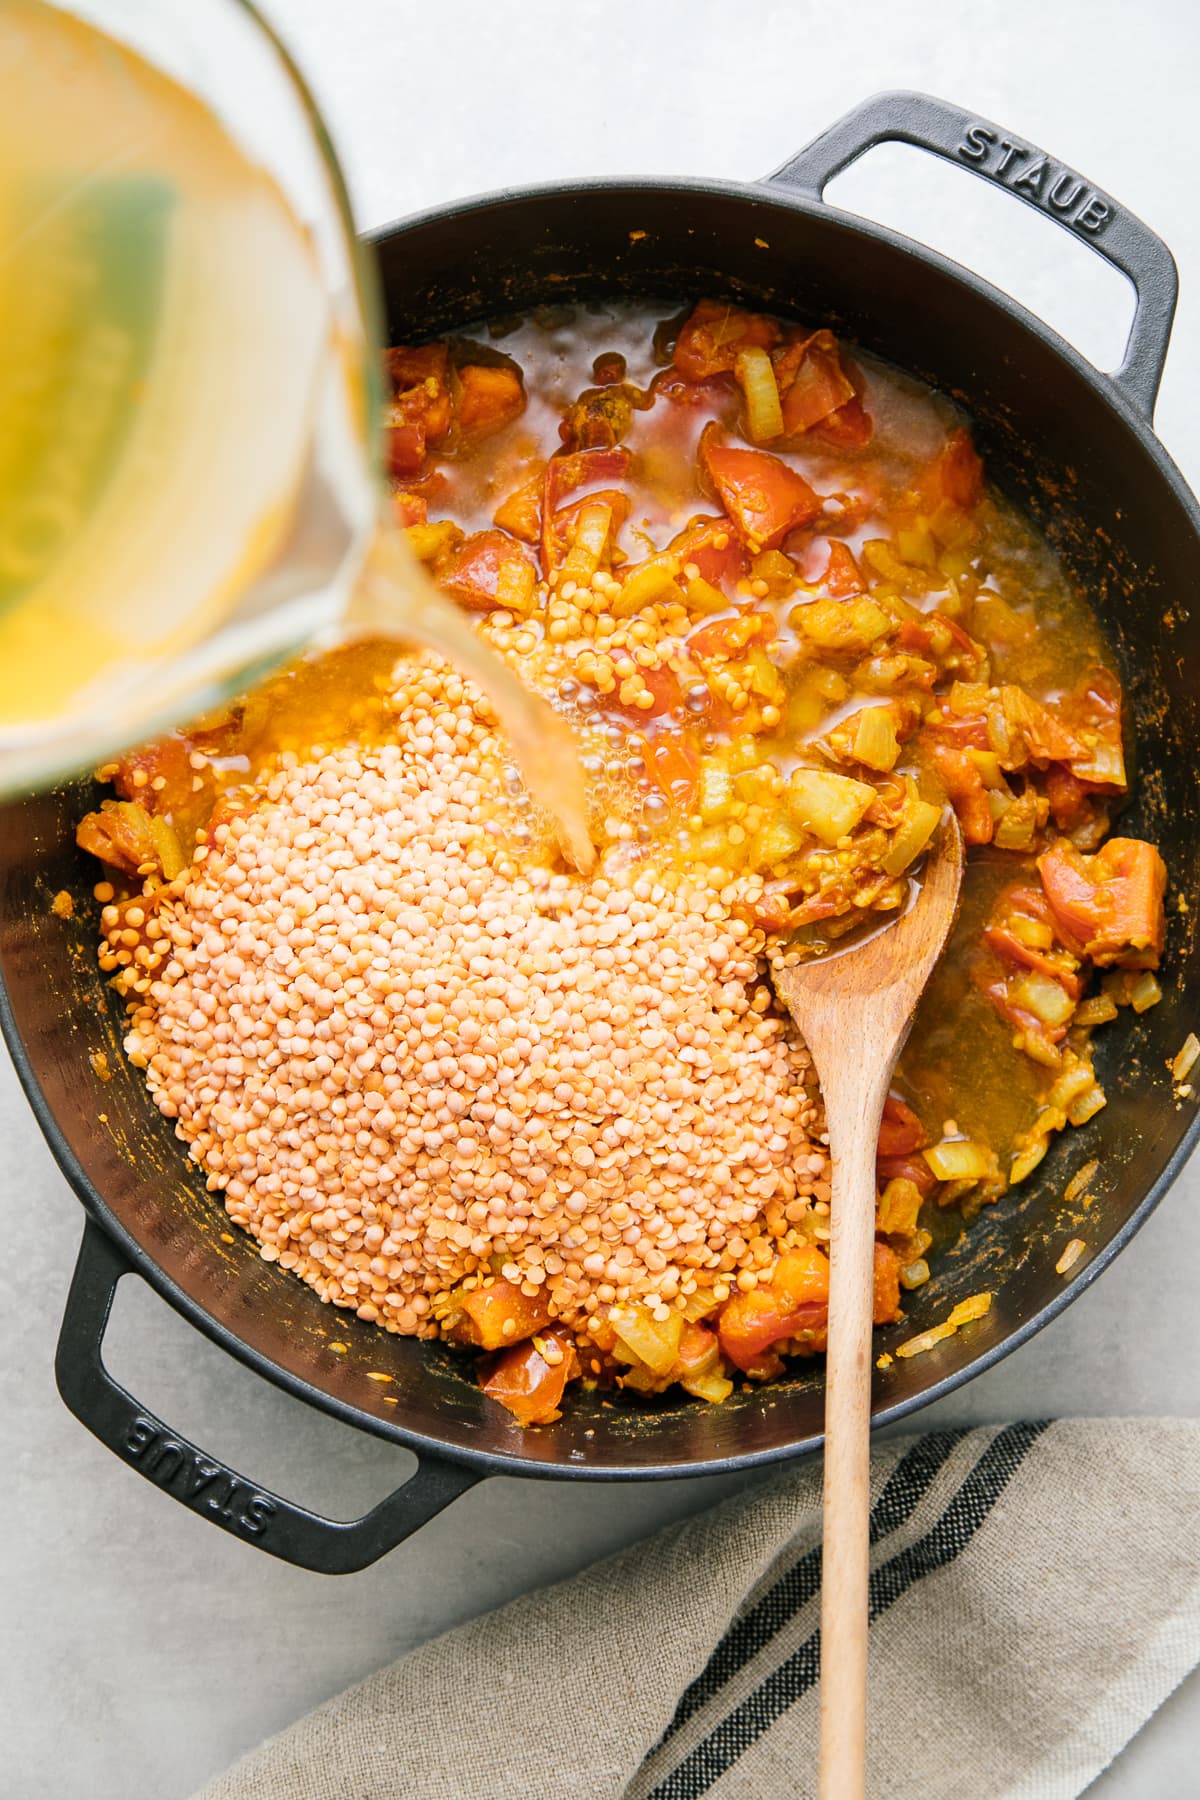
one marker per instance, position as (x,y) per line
(413,1064)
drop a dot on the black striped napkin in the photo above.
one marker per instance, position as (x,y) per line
(1035,1594)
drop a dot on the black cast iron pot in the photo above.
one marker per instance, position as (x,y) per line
(1072,445)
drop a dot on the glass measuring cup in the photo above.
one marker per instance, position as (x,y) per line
(187,390)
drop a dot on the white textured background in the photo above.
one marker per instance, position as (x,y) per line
(141,1650)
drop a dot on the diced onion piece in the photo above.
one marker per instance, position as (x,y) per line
(1145,992)
(899,1207)
(1187,1057)
(1035,934)
(713,1388)
(762,677)
(1070,1256)
(653,583)
(925,1341)
(515,583)
(1016,821)
(699,1305)
(776,568)
(714,791)
(592,530)
(973,1308)
(963,1313)
(992,776)
(1044,997)
(1085,1106)
(429,542)
(1104,762)
(1075,1080)
(756,378)
(847,627)
(1027,1160)
(829,806)
(654,1343)
(704,598)
(1080,1180)
(875,740)
(917,825)
(1098,1009)
(641,1379)
(915,544)
(958,1159)
(779,838)
(915,1275)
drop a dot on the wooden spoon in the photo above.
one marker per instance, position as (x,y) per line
(854,1009)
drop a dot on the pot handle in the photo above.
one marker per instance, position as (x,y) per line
(215,1491)
(974,143)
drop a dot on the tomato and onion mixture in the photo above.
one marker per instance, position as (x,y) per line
(766,579)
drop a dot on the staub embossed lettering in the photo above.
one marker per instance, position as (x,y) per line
(208,1486)
(1052,186)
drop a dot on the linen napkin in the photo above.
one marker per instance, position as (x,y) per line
(1035,1594)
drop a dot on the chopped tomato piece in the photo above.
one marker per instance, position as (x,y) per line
(765,499)
(901,1132)
(490,572)
(1068,796)
(673,764)
(412,366)
(409,509)
(851,427)
(698,1351)
(934,635)
(802,1276)
(714,549)
(905,1168)
(1110,903)
(582,471)
(795,1301)
(726,639)
(955,476)
(710,339)
(418,417)
(842,578)
(527,1383)
(811,380)
(495,1317)
(962,731)
(521,513)
(965,791)
(405,442)
(489,398)
(166,760)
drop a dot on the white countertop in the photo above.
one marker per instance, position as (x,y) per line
(141,1651)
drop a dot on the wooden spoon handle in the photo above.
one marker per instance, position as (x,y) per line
(853,1124)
